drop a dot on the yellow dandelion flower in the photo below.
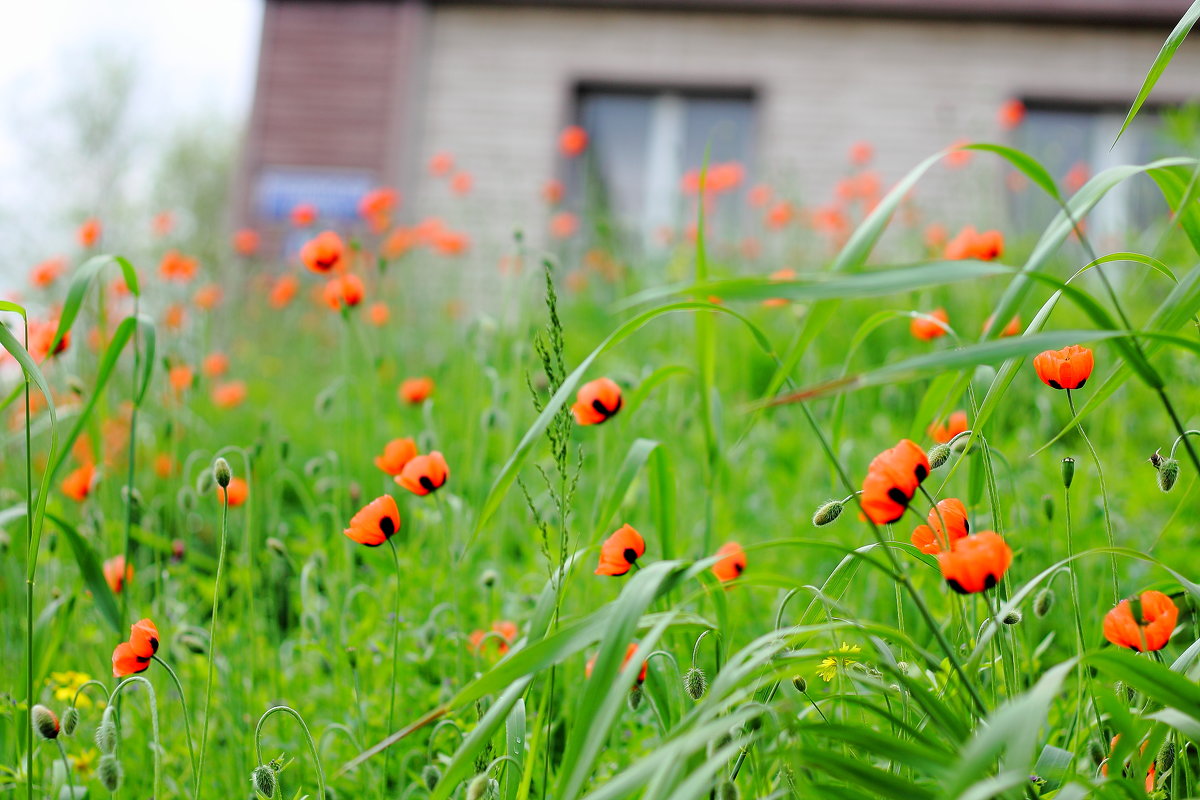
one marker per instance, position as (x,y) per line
(829,667)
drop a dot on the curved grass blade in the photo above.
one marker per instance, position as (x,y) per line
(1174,39)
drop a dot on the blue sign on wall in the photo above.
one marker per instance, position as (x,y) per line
(335,192)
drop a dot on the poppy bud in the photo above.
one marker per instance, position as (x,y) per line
(106,732)
(800,683)
(1096,751)
(193,643)
(1043,602)
(352,657)
(45,724)
(108,771)
(488,578)
(1012,618)
(430,776)
(478,788)
(1048,507)
(1165,758)
(694,683)
(827,513)
(938,455)
(1168,473)
(70,720)
(728,791)
(1068,471)
(277,547)
(222,473)
(1124,691)
(204,482)
(635,697)
(263,780)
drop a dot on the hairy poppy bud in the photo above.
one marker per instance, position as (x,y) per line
(488,578)
(479,786)
(70,720)
(1048,507)
(222,473)
(1124,691)
(728,791)
(827,513)
(1096,751)
(204,482)
(800,683)
(1165,758)
(109,772)
(694,683)
(1068,471)
(193,643)
(263,780)
(1168,473)
(106,732)
(430,776)
(938,455)
(45,724)
(352,657)
(635,697)
(1043,602)
(1012,618)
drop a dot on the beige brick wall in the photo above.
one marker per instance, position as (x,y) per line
(499,89)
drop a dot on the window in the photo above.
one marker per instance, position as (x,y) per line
(642,142)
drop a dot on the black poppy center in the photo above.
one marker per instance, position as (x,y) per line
(1054,384)
(387,526)
(739,567)
(153,644)
(921,472)
(898,496)
(630,555)
(427,483)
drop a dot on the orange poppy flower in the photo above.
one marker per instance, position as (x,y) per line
(41,339)
(398,242)
(552,192)
(375,523)
(597,401)
(378,203)
(396,454)
(572,141)
(215,364)
(175,266)
(1011,114)
(324,252)
(779,275)
(861,153)
(344,291)
(89,232)
(143,638)
(239,492)
(732,563)
(116,574)
(229,394)
(78,484)
(378,314)
(283,291)
(630,652)
(424,474)
(303,215)
(1068,368)
(780,215)
(759,195)
(926,329)
(1077,176)
(976,563)
(181,377)
(441,164)
(621,551)
(245,242)
(416,390)
(126,662)
(1150,771)
(563,225)
(507,631)
(174,317)
(450,243)
(958,157)
(164,465)
(46,273)
(930,538)
(1143,624)
(163,223)
(892,479)
(208,297)
(1011,329)
(942,432)
(461,183)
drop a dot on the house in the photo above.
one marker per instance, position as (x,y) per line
(351,95)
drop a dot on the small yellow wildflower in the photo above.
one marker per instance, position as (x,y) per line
(829,667)
(66,684)
(85,762)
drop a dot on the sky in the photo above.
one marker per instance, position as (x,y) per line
(194,57)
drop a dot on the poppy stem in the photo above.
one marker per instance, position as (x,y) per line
(1112,543)
(312,747)
(62,751)
(387,754)
(942,529)
(1075,608)
(212,640)
(187,723)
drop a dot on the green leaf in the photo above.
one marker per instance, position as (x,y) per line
(635,459)
(82,281)
(1161,61)
(92,573)
(514,735)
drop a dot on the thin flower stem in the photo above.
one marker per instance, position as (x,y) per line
(31,556)
(127,539)
(187,723)
(1075,607)
(212,641)
(1180,438)
(312,747)
(154,748)
(387,754)
(1112,543)
(62,751)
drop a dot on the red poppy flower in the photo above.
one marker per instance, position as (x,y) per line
(245,242)
(283,291)
(143,638)
(344,291)
(78,484)
(892,479)
(375,523)
(126,662)
(630,651)
(927,329)
(507,632)
(1143,624)
(943,432)
(378,314)
(572,141)
(303,215)
(1068,368)
(461,183)
(930,538)
(977,562)
(324,252)
(229,395)
(597,401)
(208,297)
(215,364)
(89,232)
(621,551)
(732,563)
(396,454)
(416,390)
(46,273)
(1011,114)
(239,492)
(779,275)
(424,474)
(378,203)
(441,164)
(1011,329)
(116,574)
(861,153)
(1150,771)
(175,266)
(563,225)
(552,192)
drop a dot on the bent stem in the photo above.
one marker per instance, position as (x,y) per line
(187,723)
(1112,556)
(212,640)
(1080,639)
(154,745)
(312,747)
(387,755)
